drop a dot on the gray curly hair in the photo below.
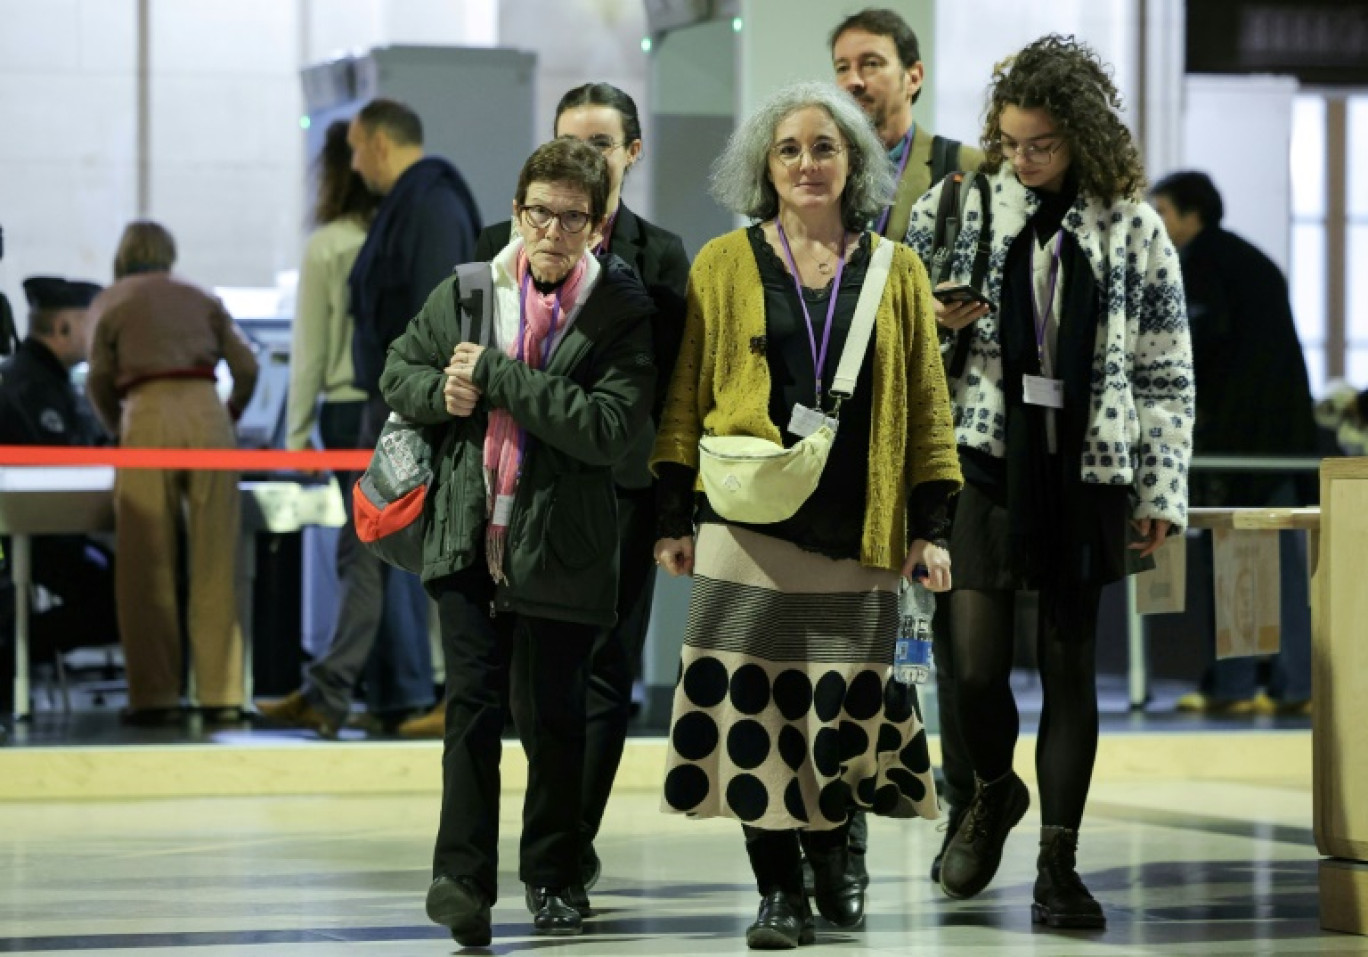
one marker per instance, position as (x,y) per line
(740,176)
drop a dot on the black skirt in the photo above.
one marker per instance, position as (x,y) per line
(1085,540)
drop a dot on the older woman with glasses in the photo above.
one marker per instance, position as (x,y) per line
(606,118)
(786,715)
(1074,417)
(520,549)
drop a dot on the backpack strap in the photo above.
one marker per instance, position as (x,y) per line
(475,305)
(945,158)
(950,216)
(946,230)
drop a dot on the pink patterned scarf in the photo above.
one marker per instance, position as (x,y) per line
(540,316)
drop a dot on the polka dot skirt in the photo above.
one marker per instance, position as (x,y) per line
(785,713)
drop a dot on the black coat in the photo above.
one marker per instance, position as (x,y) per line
(1253,395)
(424,229)
(38,404)
(658,258)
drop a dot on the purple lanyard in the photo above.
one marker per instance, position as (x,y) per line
(1042,316)
(818,358)
(607,239)
(902,165)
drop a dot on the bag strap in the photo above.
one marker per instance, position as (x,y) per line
(946,230)
(857,340)
(945,157)
(475,307)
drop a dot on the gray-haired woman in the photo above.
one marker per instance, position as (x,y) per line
(785,716)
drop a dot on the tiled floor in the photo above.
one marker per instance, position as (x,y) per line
(1183,869)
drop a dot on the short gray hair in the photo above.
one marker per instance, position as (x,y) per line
(740,176)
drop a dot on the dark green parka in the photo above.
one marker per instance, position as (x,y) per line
(581,414)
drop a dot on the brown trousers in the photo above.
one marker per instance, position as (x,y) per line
(148,505)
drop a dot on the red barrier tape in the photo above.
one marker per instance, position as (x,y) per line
(212,460)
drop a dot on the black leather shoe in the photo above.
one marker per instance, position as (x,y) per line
(784,922)
(578,898)
(954,817)
(552,913)
(590,867)
(974,853)
(459,904)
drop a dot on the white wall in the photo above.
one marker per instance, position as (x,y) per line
(578,42)
(226,150)
(972,37)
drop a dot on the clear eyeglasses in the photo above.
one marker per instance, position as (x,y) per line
(822,152)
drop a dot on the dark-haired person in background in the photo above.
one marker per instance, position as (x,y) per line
(425,226)
(877,59)
(157,341)
(606,118)
(40,406)
(1253,398)
(322,379)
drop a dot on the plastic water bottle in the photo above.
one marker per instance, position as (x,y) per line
(912,653)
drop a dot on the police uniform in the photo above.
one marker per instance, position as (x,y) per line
(40,406)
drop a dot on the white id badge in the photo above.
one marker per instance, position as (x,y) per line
(503,510)
(805,421)
(1038,390)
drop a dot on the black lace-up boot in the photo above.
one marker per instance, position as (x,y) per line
(974,853)
(1061,900)
(954,817)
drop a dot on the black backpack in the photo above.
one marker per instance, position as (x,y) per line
(954,200)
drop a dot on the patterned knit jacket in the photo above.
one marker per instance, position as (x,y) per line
(721,384)
(1143,398)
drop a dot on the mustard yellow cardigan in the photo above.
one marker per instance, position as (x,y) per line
(721,385)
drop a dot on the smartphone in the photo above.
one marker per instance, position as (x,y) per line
(953,295)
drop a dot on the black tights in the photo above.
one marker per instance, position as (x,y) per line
(776,856)
(1066,746)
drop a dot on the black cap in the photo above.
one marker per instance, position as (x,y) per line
(51,292)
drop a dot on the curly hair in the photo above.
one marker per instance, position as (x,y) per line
(1068,80)
(740,176)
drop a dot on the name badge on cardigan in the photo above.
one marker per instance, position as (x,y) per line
(806,421)
(1038,390)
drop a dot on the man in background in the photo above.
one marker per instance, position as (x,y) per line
(1253,398)
(425,226)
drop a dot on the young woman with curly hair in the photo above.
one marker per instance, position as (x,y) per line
(1073,417)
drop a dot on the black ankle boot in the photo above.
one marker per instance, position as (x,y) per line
(836,891)
(1061,900)
(784,922)
(974,853)
(954,817)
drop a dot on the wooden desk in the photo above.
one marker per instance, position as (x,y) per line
(1339,708)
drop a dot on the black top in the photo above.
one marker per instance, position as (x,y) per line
(1253,397)
(39,405)
(658,258)
(1061,531)
(831,521)
(425,227)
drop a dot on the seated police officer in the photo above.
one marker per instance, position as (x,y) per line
(40,406)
